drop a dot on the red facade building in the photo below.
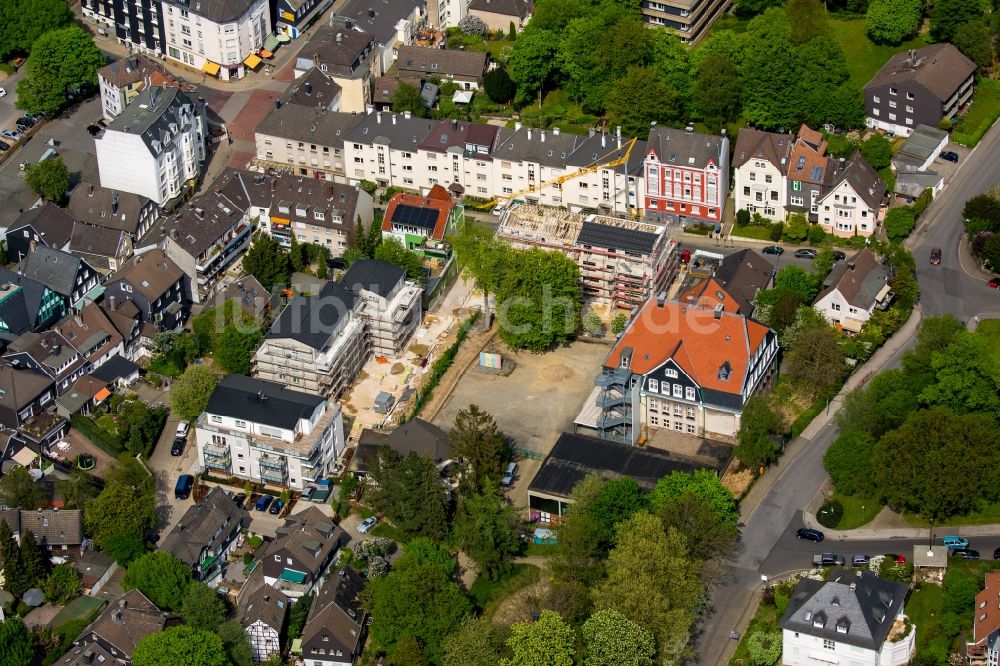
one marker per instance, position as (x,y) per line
(686,175)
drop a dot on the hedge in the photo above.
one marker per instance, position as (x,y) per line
(96,434)
(441,365)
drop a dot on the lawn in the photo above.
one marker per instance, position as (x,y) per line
(107,422)
(864,57)
(982,113)
(485,591)
(79,609)
(765,619)
(753,231)
(858,511)
(924,610)
(541,549)
(558,111)
(988,515)
(388,531)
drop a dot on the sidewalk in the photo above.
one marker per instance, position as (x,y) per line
(870,533)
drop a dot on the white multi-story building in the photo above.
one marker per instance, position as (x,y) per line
(123,80)
(220,38)
(853,205)
(155,147)
(760,168)
(390,304)
(265,433)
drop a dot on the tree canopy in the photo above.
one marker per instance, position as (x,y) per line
(612,639)
(63,62)
(391,251)
(476,440)
(548,640)
(267,261)
(407,98)
(180,646)
(202,607)
(161,577)
(948,17)
(236,348)
(892,21)
(18,489)
(17,645)
(486,528)
(22,22)
(49,179)
(538,299)
(190,393)
(408,491)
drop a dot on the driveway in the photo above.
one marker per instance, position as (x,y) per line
(166,468)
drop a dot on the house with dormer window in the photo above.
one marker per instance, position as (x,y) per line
(760,168)
(854,203)
(206,533)
(686,175)
(807,173)
(302,550)
(853,290)
(335,629)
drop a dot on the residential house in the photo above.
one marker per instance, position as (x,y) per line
(348,58)
(526,158)
(302,550)
(155,147)
(499,14)
(851,617)
(118,372)
(734,284)
(67,275)
(390,304)
(382,148)
(220,38)
(983,646)
(446,13)
(103,248)
(250,296)
(137,24)
(295,16)
(574,457)
(393,24)
(611,190)
(920,149)
(82,397)
(421,224)
(206,533)
(621,262)
(384,89)
(465,69)
(760,169)
(854,203)
(454,154)
(53,529)
(95,569)
(334,632)
(304,140)
(688,19)
(263,620)
(24,395)
(261,431)
(853,290)
(919,87)
(26,305)
(50,354)
(686,176)
(114,635)
(414,436)
(45,226)
(121,81)
(98,206)
(685,368)
(318,343)
(808,173)
(156,288)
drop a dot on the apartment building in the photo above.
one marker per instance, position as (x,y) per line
(456,155)
(220,38)
(853,204)
(383,148)
(122,81)
(207,532)
(50,354)
(348,57)
(154,285)
(304,547)
(392,23)
(686,176)
(265,433)
(621,262)
(688,19)
(317,344)
(97,206)
(47,225)
(293,17)
(137,24)
(390,304)
(155,147)
(760,172)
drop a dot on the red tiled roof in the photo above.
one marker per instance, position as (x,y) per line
(706,294)
(696,340)
(437,199)
(987,612)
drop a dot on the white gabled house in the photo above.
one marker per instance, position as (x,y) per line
(760,172)
(853,290)
(853,204)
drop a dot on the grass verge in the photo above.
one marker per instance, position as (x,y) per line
(982,113)
(755,232)
(388,531)
(858,511)
(486,592)
(988,515)
(924,609)
(765,619)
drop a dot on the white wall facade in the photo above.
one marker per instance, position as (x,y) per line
(450,12)
(194,39)
(844,213)
(835,308)
(801,649)
(760,187)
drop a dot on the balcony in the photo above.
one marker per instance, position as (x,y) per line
(273,463)
(273,477)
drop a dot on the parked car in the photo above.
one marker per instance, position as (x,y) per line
(829,560)
(263,502)
(809,534)
(994,283)
(965,553)
(276,507)
(859,560)
(307,493)
(949,156)
(177,448)
(3,92)
(182,429)
(4,147)
(996,554)
(367,524)
(898,559)
(13,136)
(954,542)
(27,121)
(805,253)
(839,256)
(935,256)
(509,474)
(185,483)
(239,499)
(774,249)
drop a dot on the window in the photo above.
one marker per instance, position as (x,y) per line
(215,418)
(241,424)
(690,428)
(654,386)
(690,412)
(835,307)
(876,99)
(829,644)
(677,390)
(689,393)
(679,426)
(671,373)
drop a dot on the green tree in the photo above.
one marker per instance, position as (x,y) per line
(968,376)
(796,228)
(556,15)
(899,222)
(889,398)
(617,501)
(816,360)
(823,69)
(639,98)
(808,20)
(161,577)
(209,325)
(716,93)
(473,643)
(201,607)
(418,598)
(747,8)
(499,87)
(486,529)
(531,62)
(477,442)
(24,21)
(770,72)
(407,98)
(764,647)
(482,256)
(236,347)
(390,250)
(34,563)
(592,324)
(189,393)
(17,645)
(709,539)
(180,646)
(823,263)
(975,39)
(62,62)
(990,252)
(577,60)
(408,490)
(983,209)
(892,21)
(8,546)
(877,151)
(619,323)
(267,261)
(49,179)
(757,424)
(796,280)
(850,462)
(298,615)
(548,640)
(62,585)
(18,489)
(612,639)
(671,60)
(131,473)
(236,642)
(653,583)
(78,490)
(408,653)
(949,16)
(704,485)
(538,299)
(123,547)
(579,560)
(139,426)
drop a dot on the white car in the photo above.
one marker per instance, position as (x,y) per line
(182,429)
(3,93)
(367,524)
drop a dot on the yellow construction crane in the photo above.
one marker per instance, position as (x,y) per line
(600,163)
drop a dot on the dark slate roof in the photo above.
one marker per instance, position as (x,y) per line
(940,68)
(219,11)
(268,606)
(320,93)
(150,114)
(518,8)
(20,310)
(104,207)
(304,123)
(56,269)
(603,148)
(54,527)
(378,277)
(862,178)
(414,436)
(311,319)
(116,367)
(393,129)
(336,617)
(574,457)
(339,49)
(772,147)
(151,273)
(379,19)
(209,218)
(308,539)
(742,274)
(856,608)
(260,401)
(95,241)
(123,624)
(606,236)
(441,62)
(206,524)
(686,149)
(53,224)
(543,147)
(859,279)
(133,69)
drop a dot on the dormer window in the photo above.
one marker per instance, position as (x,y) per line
(624,361)
(724,371)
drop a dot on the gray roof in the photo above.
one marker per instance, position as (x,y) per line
(544,147)
(151,113)
(131,69)
(313,196)
(913,183)
(268,606)
(207,219)
(219,11)
(859,279)
(53,224)
(607,236)
(261,401)
(122,625)
(742,274)
(308,538)
(340,50)
(104,207)
(380,18)
(919,146)
(315,89)
(603,148)
(393,129)
(249,294)
(862,178)
(151,273)
(205,525)
(773,147)
(336,615)
(307,124)
(856,608)
(441,62)
(460,134)
(686,149)
(115,368)
(95,241)
(56,269)
(311,319)
(19,310)
(54,527)
(512,8)
(378,277)
(940,68)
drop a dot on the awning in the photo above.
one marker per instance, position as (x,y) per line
(284,39)
(210,68)
(271,43)
(293,576)
(25,457)
(264,53)
(102,395)
(252,60)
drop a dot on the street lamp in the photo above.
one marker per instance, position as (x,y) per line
(930,540)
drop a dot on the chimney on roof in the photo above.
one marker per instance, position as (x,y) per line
(316,59)
(340,36)
(529,134)
(689,129)
(661,299)
(604,140)
(850,265)
(274,184)
(555,131)
(718,314)
(91,192)
(174,234)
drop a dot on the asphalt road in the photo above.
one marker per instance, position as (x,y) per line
(778,261)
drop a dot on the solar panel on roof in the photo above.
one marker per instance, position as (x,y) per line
(413,216)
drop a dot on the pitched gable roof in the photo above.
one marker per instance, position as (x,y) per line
(336,616)
(96,241)
(742,274)
(770,146)
(19,388)
(862,178)
(859,279)
(267,606)
(808,161)
(687,149)
(442,62)
(103,207)
(151,273)
(512,8)
(940,68)
(304,543)
(56,269)
(987,611)
(205,525)
(127,621)
(403,204)
(51,222)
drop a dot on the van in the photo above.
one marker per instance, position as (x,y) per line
(184,485)
(509,474)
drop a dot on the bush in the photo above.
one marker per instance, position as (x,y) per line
(96,434)
(830,514)
(368,186)
(764,647)
(816,235)
(776,230)
(922,202)
(742,217)
(899,222)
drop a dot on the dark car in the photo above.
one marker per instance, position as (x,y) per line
(185,483)
(239,499)
(935,256)
(27,121)
(859,560)
(966,553)
(94,130)
(276,507)
(177,448)
(773,249)
(809,534)
(4,147)
(996,554)
(949,156)
(838,255)
(263,502)
(994,283)
(805,253)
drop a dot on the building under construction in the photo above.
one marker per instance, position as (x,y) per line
(621,262)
